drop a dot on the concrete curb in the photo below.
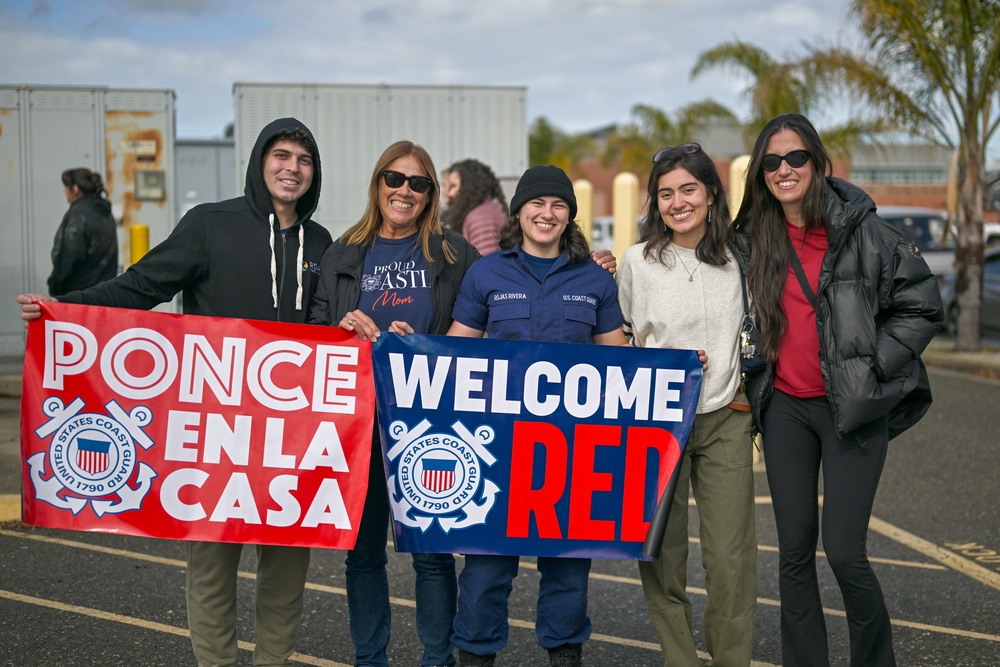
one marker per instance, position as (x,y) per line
(964,363)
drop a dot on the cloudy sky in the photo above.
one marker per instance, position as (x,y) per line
(585,63)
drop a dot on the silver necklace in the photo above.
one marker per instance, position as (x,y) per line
(690,273)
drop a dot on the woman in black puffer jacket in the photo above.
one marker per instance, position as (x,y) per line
(843,342)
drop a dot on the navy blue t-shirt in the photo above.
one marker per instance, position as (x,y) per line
(395,284)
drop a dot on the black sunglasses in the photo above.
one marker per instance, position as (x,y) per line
(395,179)
(795,159)
(686,149)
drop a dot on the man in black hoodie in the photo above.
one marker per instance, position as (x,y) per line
(252,257)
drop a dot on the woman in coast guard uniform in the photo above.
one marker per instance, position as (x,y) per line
(540,286)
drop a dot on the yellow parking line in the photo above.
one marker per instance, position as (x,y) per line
(147,625)
(514,622)
(874,559)
(947,558)
(10,507)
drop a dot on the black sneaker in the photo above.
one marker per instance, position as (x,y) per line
(567,655)
(466,659)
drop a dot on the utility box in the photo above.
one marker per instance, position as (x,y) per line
(354,124)
(126,135)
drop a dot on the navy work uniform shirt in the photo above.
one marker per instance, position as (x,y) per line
(571,304)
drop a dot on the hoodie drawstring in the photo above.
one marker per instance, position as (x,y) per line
(298,267)
(274,263)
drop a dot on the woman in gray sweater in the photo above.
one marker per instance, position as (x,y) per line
(680,287)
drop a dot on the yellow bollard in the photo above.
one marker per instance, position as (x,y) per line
(737,182)
(625,208)
(584,191)
(138,241)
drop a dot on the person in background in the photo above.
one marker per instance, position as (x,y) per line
(395,270)
(224,258)
(680,287)
(446,196)
(477,209)
(85,250)
(846,306)
(543,260)
(450,185)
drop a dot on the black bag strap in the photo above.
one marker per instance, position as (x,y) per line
(743,284)
(801,275)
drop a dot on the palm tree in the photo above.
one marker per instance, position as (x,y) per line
(775,87)
(778,87)
(932,68)
(547,144)
(651,129)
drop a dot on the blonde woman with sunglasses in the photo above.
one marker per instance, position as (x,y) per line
(395,270)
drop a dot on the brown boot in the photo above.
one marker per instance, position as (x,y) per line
(466,659)
(567,655)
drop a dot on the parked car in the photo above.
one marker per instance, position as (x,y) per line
(991,233)
(926,227)
(602,236)
(989,310)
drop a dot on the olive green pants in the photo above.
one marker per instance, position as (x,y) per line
(717,464)
(211,599)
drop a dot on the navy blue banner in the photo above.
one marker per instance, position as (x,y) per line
(530,449)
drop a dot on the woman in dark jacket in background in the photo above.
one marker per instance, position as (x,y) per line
(843,332)
(85,251)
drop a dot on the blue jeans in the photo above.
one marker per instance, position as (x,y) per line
(486,583)
(368,585)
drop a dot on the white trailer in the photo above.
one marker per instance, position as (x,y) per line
(353,124)
(126,135)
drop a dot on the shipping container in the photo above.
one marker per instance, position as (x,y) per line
(204,172)
(126,135)
(353,124)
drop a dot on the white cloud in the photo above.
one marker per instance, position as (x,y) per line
(585,62)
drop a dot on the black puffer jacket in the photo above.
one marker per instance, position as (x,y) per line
(85,250)
(339,288)
(879,307)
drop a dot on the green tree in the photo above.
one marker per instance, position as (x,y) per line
(932,67)
(547,144)
(789,86)
(651,129)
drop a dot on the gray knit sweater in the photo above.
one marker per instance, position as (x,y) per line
(686,304)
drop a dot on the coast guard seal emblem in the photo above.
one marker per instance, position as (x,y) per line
(92,458)
(439,476)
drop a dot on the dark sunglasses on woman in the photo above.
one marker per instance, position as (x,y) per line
(686,149)
(395,179)
(795,159)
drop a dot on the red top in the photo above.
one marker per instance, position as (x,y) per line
(798,373)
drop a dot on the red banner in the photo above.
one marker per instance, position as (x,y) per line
(195,428)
